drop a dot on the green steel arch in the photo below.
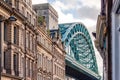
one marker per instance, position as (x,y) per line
(78,44)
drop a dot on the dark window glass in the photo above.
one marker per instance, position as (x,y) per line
(5,59)
(5,32)
(15,35)
(28,68)
(15,65)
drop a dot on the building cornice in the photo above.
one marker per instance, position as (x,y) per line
(11,10)
(4,5)
(12,76)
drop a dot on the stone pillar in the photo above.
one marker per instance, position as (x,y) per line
(10,41)
(1,45)
(11,32)
(20,65)
(31,69)
(12,63)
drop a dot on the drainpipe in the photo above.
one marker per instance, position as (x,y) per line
(109,38)
(103,7)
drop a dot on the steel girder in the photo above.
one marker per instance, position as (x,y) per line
(78,44)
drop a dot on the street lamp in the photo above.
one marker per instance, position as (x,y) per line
(11,19)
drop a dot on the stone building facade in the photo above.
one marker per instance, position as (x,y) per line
(50,14)
(59,56)
(18,50)
(27,52)
(107,38)
(44,55)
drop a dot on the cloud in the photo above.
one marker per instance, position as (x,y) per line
(72,4)
(67,4)
(91,3)
(63,18)
(87,12)
(39,1)
(69,17)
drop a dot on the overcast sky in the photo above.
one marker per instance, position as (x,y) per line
(85,11)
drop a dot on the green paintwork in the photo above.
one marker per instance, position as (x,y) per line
(78,44)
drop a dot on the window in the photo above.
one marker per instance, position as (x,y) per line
(28,15)
(27,40)
(22,37)
(15,35)
(30,18)
(5,32)
(15,3)
(55,69)
(31,41)
(31,71)
(23,10)
(47,65)
(28,68)
(30,3)
(5,60)
(23,66)
(15,64)
(34,22)
(39,60)
(33,44)
(45,13)
(39,38)
(41,57)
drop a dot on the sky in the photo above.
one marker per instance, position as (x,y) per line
(85,11)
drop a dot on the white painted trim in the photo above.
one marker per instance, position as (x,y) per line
(115,43)
(113,46)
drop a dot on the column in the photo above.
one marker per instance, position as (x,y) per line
(11,32)
(20,65)
(11,52)
(1,45)
(12,62)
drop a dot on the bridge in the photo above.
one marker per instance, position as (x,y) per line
(80,58)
